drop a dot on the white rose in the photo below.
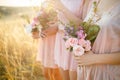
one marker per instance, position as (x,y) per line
(78,50)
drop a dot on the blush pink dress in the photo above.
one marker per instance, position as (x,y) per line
(108,41)
(46,51)
(62,57)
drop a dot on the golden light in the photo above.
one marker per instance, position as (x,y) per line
(21,3)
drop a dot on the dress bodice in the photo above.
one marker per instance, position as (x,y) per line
(107,42)
(108,39)
(73,6)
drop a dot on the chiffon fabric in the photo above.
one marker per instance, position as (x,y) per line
(63,58)
(107,42)
(51,50)
(46,51)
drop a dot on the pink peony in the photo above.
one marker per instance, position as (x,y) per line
(87,45)
(71,42)
(82,42)
(78,50)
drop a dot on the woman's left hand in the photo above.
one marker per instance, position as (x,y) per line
(88,58)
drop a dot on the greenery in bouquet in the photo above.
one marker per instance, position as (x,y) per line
(84,35)
(91,30)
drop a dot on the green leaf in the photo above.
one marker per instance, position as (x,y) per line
(71,49)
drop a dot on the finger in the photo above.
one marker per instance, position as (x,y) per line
(45,31)
(36,37)
(77,58)
(43,35)
(84,64)
(51,22)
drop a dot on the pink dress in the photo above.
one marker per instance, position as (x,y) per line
(108,41)
(62,57)
(46,51)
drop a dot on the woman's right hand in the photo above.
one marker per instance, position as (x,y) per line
(52,29)
(36,35)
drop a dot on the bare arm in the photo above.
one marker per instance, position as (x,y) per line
(57,4)
(51,30)
(71,17)
(109,58)
(90,59)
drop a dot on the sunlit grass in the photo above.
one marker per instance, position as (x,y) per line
(17,52)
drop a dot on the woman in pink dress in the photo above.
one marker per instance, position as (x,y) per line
(46,52)
(68,10)
(103,62)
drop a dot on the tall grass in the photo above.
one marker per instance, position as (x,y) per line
(17,52)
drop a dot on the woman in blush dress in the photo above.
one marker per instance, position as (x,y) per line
(103,62)
(68,10)
(46,52)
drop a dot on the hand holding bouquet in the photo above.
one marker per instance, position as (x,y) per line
(41,21)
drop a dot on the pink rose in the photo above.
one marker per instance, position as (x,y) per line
(33,24)
(67,44)
(81,42)
(72,41)
(35,21)
(87,45)
(78,50)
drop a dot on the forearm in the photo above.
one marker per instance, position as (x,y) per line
(108,58)
(51,30)
(71,17)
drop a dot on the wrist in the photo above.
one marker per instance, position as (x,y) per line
(98,60)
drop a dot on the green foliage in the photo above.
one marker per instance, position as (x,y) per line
(91,30)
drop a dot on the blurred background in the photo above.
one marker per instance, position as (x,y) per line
(17,49)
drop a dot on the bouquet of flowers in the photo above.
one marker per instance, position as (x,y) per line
(40,22)
(46,15)
(80,39)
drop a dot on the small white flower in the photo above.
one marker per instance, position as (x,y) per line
(28,28)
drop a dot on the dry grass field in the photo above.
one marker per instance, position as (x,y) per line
(17,52)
